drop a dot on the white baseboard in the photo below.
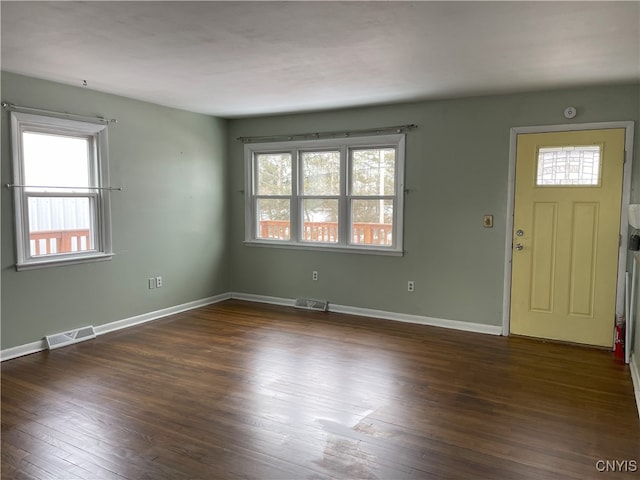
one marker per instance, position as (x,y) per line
(248,297)
(165,312)
(419,319)
(20,350)
(40,345)
(635,377)
(366,312)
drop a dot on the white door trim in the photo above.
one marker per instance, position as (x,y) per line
(624,224)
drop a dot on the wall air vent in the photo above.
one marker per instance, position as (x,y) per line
(310,304)
(58,340)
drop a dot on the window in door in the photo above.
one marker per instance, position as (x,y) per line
(568,165)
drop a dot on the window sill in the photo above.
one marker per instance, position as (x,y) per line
(326,248)
(60,262)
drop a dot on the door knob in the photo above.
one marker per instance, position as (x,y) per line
(519,246)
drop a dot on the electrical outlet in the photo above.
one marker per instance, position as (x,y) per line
(159,282)
(314,275)
(411,286)
(152,283)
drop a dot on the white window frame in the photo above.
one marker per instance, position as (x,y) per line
(98,194)
(344,145)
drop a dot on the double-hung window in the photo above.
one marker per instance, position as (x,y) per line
(60,171)
(334,194)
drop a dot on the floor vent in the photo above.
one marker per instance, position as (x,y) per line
(67,338)
(310,304)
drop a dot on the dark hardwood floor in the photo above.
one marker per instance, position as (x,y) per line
(249,391)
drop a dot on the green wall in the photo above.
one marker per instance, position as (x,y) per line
(456,170)
(181,214)
(170,220)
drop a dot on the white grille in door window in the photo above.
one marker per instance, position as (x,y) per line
(568,165)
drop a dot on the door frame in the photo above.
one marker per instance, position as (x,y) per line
(624,208)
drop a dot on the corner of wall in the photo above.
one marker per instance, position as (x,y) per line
(634,366)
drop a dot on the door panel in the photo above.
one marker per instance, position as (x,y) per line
(583,261)
(543,257)
(566,231)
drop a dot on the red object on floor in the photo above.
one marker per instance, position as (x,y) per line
(618,346)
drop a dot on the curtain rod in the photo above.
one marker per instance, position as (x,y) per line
(20,108)
(14,185)
(334,134)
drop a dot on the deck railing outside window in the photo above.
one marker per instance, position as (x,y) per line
(362,233)
(79,240)
(59,241)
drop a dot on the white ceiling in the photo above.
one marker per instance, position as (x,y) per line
(235,59)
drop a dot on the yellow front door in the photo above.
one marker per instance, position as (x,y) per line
(566,235)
